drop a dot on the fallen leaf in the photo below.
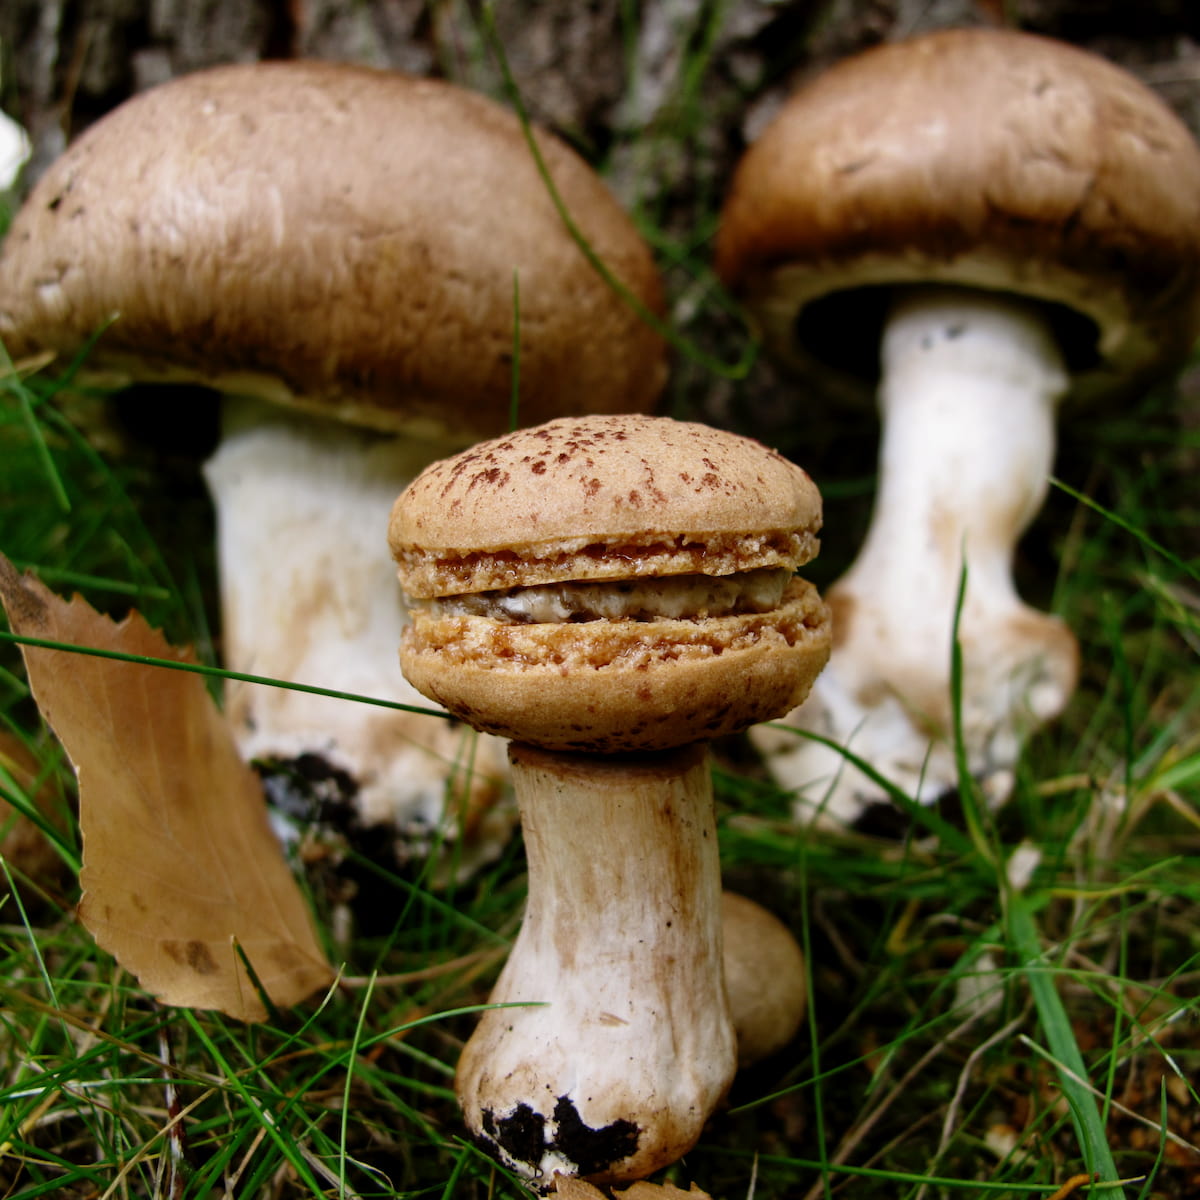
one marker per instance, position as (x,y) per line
(576,1189)
(665,1191)
(571,1188)
(180,867)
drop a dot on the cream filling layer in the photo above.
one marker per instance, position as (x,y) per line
(671,597)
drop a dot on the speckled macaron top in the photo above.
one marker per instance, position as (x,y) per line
(602,497)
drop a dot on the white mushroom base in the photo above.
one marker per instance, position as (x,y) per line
(620,1044)
(971,381)
(309,595)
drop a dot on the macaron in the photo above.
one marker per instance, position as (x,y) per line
(611,583)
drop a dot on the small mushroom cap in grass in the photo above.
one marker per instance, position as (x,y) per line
(611,584)
(603,498)
(979,157)
(336,237)
(765,978)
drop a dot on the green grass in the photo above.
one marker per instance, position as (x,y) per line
(1079,1055)
(971,1034)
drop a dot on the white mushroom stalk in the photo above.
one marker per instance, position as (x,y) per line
(623,1043)
(15,150)
(307,598)
(970,386)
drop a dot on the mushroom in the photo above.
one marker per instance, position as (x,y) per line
(1022,220)
(348,256)
(765,978)
(15,150)
(609,592)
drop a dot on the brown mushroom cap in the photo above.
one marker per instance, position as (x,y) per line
(765,978)
(989,158)
(610,498)
(337,238)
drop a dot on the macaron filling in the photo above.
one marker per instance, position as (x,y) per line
(654,598)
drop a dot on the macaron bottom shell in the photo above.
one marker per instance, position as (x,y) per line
(611,686)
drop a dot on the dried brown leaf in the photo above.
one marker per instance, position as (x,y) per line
(665,1191)
(180,866)
(577,1189)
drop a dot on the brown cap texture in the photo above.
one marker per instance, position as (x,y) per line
(989,158)
(765,978)
(336,237)
(610,498)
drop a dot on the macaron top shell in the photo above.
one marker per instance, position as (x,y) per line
(602,497)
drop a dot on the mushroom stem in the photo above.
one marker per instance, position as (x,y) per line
(625,1044)
(971,381)
(307,598)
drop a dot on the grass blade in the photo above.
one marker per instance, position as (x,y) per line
(1024,938)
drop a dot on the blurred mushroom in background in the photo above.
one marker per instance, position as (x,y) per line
(989,223)
(14,151)
(372,271)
